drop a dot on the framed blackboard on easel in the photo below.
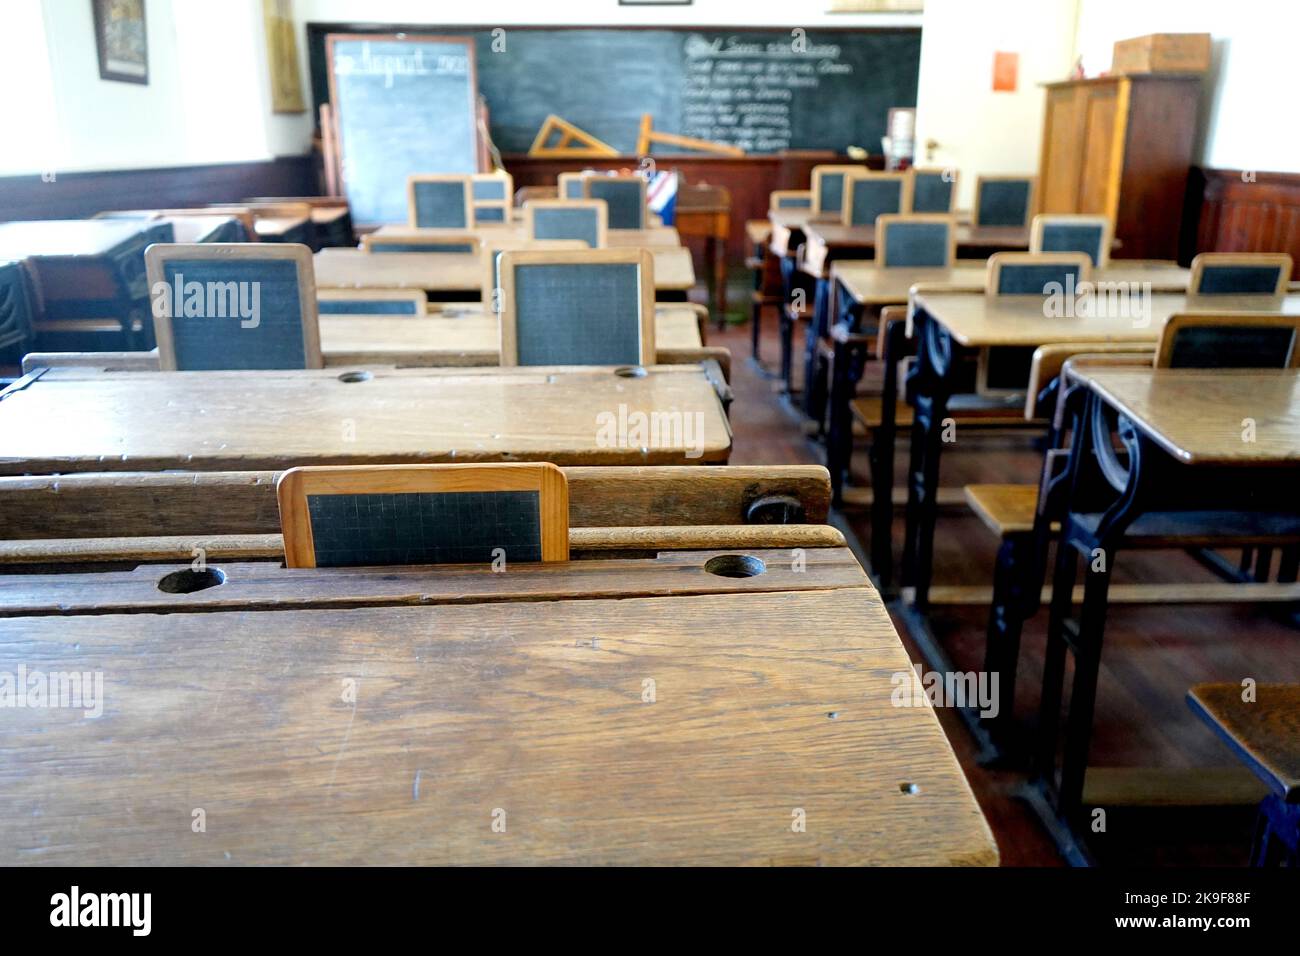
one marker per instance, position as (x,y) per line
(402,104)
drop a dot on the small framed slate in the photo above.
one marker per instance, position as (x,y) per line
(244,305)
(376,515)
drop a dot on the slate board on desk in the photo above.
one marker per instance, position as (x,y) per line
(425,527)
(402,106)
(703,83)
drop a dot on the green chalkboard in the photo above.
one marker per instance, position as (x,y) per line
(762,90)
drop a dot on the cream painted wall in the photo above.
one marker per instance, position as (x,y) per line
(1247,121)
(980,131)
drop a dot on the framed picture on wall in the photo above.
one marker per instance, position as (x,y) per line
(121,40)
(282,57)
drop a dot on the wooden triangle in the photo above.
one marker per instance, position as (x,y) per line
(563,148)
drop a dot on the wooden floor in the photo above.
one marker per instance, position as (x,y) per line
(1152,655)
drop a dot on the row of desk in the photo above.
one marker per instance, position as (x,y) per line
(603,710)
(1187,458)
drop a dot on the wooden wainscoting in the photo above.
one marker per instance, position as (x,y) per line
(1246,212)
(81,195)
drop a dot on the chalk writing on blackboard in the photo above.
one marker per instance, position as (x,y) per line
(742,92)
(389,65)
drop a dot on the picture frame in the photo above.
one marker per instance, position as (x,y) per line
(282,57)
(121,40)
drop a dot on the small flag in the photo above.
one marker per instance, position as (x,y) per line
(662,196)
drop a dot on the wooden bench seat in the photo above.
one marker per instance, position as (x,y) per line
(1005,509)
(1264,733)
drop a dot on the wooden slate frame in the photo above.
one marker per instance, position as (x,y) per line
(805,199)
(158,255)
(1000,259)
(1218,259)
(995,265)
(820,172)
(296,484)
(599,206)
(562,181)
(642,258)
(337,126)
(885,221)
(1031,198)
(426,237)
(645,208)
(904,180)
(1182,321)
(506,203)
(1041,222)
(493,246)
(918,171)
(417,297)
(413,181)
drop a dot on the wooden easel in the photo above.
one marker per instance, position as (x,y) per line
(649,136)
(563,148)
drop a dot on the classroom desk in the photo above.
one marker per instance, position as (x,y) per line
(468,337)
(826,242)
(858,286)
(1189,472)
(459,273)
(89,279)
(946,322)
(705,211)
(78,419)
(472,709)
(867,284)
(789,227)
(652,237)
(283,228)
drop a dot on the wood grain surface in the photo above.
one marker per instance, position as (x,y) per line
(868,284)
(82,420)
(457,272)
(466,716)
(462,337)
(222,503)
(1197,415)
(1264,732)
(976,320)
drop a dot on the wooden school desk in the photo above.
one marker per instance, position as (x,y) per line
(446,721)
(946,322)
(456,337)
(788,228)
(75,419)
(1190,471)
(150,517)
(459,274)
(88,278)
(705,211)
(826,242)
(857,287)
(652,237)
